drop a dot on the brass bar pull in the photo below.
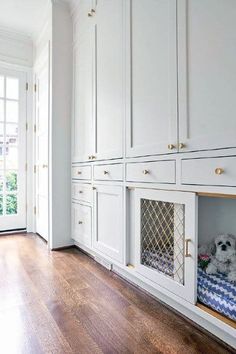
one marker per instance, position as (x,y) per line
(187,254)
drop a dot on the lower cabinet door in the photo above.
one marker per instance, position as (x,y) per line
(108,237)
(82,224)
(165,240)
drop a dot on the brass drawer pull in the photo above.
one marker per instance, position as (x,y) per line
(187,254)
(106,172)
(146,172)
(182,145)
(79,173)
(80,192)
(80,222)
(219,171)
(171,146)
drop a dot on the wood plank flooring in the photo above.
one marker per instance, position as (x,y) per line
(64,302)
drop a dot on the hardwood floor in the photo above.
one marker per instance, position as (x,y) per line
(64,302)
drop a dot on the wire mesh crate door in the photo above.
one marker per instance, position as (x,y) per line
(162,237)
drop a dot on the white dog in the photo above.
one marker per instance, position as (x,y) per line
(223,256)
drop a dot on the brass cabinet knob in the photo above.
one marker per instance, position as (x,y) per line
(80,222)
(93,157)
(79,173)
(146,172)
(91,13)
(106,172)
(187,241)
(171,146)
(182,145)
(219,171)
(90,157)
(80,192)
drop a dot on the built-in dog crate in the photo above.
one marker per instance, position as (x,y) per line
(215,293)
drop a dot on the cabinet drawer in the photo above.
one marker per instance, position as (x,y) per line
(82,224)
(82,192)
(158,171)
(219,171)
(113,172)
(81,172)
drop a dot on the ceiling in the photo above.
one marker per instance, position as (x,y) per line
(23,16)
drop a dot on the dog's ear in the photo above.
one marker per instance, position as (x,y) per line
(213,248)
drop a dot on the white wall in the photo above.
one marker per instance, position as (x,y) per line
(60,130)
(216,216)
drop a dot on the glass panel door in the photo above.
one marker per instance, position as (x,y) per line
(165,235)
(12,150)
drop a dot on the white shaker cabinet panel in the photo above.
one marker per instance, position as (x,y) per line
(109,78)
(82,224)
(207,74)
(83,97)
(108,238)
(152,120)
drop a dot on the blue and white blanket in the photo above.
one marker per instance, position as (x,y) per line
(217,292)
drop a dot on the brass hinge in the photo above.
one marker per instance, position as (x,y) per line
(27,86)
(35,210)
(35,168)
(35,87)
(26,167)
(35,128)
(26,126)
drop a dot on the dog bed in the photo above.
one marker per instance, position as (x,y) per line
(216,292)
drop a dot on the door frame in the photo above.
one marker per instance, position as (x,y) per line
(44,55)
(28,72)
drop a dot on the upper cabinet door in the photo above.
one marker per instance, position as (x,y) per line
(207,74)
(109,53)
(152,116)
(83,111)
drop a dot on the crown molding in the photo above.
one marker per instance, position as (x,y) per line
(11,35)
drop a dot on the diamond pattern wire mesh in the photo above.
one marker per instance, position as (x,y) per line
(162,237)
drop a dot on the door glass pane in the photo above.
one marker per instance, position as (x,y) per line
(11,158)
(11,134)
(12,88)
(1,110)
(1,181)
(162,238)
(1,157)
(12,111)
(11,181)
(1,86)
(1,204)
(1,133)
(11,204)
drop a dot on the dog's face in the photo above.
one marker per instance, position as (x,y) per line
(225,247)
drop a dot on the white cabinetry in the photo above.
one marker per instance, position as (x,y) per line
(97,129)
(82,224)
(207,74)
(109,231)
(109,78)
(83,108)
(152,121)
